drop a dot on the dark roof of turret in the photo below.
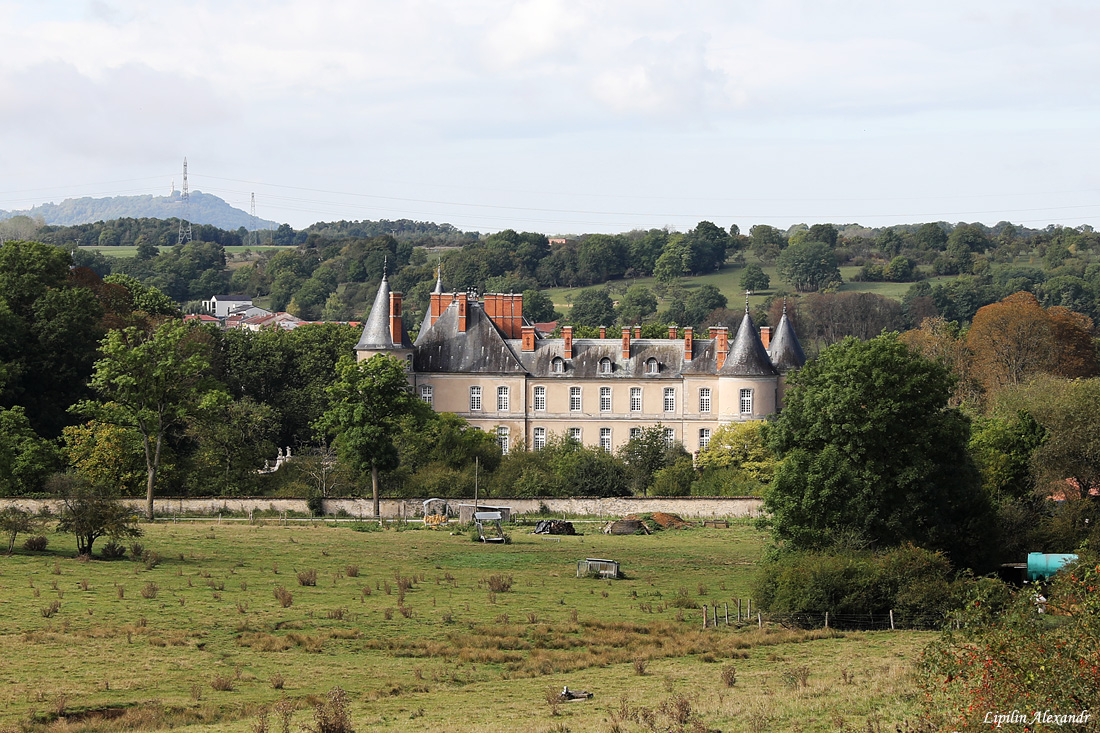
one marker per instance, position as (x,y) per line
(785,351)
(376,332)
(747,356)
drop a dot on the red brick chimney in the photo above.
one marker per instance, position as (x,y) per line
(721,344)
(689,343)
(626,342)
(462,305)
(567,336)
(528,338)
(766,335)
(395,317)
(637,332)
(603,332)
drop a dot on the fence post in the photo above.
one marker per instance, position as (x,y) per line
(738,610)
(704,616)
(750,607)
(826,619)
(714,615)
(759,620)
(726,607)
(891,619)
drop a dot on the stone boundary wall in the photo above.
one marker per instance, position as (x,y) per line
(687,507)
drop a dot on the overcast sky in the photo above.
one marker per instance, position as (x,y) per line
(559,116)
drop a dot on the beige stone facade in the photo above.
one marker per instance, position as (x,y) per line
(479,359)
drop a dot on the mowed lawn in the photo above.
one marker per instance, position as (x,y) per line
(425,630)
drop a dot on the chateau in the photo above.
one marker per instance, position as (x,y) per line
(479,358)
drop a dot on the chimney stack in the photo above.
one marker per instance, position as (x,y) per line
(395,317)
(626,342)
(766,336)
(672,331)
(462,305)
(689,343)
(528,338)
(567,337)
(603,332)
(637,332)
(721,344)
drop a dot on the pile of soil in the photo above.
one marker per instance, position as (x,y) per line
(661,520)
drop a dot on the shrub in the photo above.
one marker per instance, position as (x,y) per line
(283,596)
(278,681)
(352,571)
(50,610)
(222,684)
(112,551)
(307,577)
(729,675)
(499,583)
(150,590)
(35,544)
(136,551)
(331,715)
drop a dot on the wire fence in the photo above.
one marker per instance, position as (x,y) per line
(727,615)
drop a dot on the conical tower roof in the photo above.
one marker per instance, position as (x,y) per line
(785,351)
(747,356)
(376,332)
(426,322)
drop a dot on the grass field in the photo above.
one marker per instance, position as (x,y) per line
(425,631)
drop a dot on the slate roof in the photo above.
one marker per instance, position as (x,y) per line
(785,351)
(482,348)
(747,356)
(588,353)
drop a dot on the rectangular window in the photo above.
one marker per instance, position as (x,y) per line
(670,437)
(502,439)
(704,438)
(426,394)
(502,399)
(575,434)
(605,399)
(635,433)
(746,402)
(605,439)
(475,399)
(540,398)
(574,399)
(635,399)
(539,438)
(704,399)
(670,399)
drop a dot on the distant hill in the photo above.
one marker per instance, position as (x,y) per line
(205,208)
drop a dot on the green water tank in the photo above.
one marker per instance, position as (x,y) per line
(1041,565)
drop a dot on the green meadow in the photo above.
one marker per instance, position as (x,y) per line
(425,631)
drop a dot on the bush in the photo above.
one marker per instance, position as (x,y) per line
(35,544)
(112,550)
(307,577)
(316,504)
(908,580)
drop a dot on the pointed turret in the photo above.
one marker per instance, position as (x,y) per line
(747,356)
(785,351)
(376,332)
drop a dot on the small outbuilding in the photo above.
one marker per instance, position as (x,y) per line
(597,566)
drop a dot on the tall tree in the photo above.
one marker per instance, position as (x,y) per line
(368,400)
(809,266)
(150,382)
(592,307)
(868,446)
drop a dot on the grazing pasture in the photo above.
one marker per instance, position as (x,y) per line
(211,625)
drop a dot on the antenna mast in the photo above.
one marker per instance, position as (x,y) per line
(252,234)
(185,220)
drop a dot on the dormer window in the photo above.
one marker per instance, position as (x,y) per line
(557,366)
(651,366)
(605,366)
